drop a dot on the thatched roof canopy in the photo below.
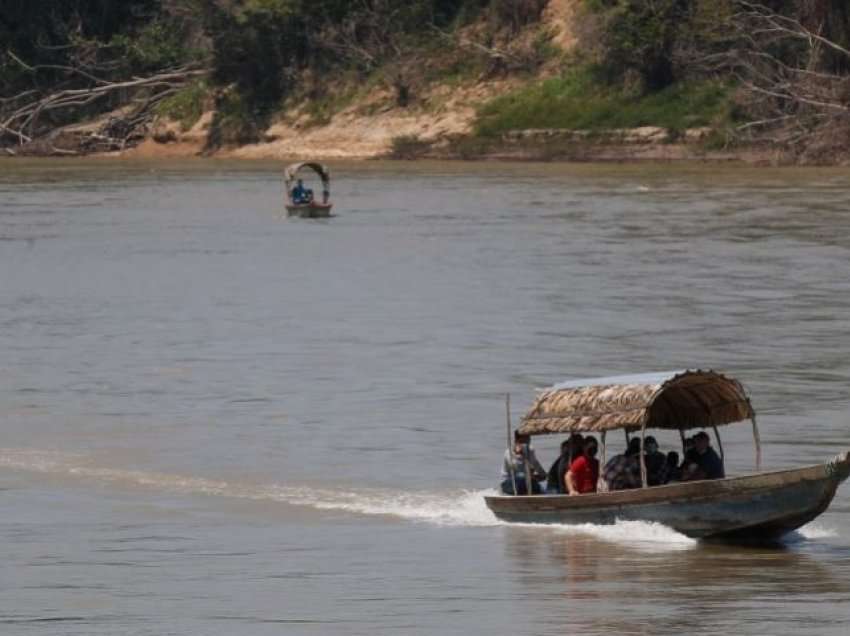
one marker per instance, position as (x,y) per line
(291,174)
(671,400)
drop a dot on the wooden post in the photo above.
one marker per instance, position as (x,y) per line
(758,443)
(510,445)
(642,458)
(627,437)
(604,461)
(604,453)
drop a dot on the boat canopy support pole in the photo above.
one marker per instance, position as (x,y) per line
(643,480)
(757,440)
(682,436)
(604,452)
(720,448)
(510,450)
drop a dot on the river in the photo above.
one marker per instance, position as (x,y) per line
(216,420)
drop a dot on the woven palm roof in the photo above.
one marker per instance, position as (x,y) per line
(669,400)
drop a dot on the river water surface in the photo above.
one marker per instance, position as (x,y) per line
(217,421)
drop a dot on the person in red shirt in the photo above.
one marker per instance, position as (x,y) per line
(583,474)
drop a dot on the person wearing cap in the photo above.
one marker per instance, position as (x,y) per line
(583,474)
(514,465)
(709,462)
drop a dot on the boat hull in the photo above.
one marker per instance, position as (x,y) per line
(309,210)
(760,507)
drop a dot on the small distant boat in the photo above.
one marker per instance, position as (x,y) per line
(308,208)
(760,507)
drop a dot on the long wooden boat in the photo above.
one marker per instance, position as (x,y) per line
(308,209)
(760,507)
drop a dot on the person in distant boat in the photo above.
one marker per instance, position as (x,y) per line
(516,461)
(623,471)
(709,462)
(656,463)
(570,449)
(299,192)
(583,474)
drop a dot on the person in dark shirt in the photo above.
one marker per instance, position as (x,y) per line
(554,485)
(709,462)
(690,470)
(570,449)
(656,463)
(674,473)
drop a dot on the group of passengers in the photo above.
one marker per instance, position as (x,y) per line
(576,470)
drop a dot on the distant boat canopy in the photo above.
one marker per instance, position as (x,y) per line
(677,400)
(290,175)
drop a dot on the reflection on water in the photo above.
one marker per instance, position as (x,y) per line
(711,588)
(217,418)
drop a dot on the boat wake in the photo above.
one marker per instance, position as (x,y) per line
(459,508)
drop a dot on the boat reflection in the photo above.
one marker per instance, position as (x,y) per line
(664,588)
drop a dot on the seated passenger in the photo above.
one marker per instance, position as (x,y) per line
(570,449)
(514,468)
(656,463)
(623,471)
(554,481)
(583,474)
(689,470)
(674,473)
(308,197)
(299,192)
(709,462)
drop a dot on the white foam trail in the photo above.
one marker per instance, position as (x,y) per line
(458,508)
(814,530)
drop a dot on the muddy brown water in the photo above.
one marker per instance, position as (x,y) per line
(216,420)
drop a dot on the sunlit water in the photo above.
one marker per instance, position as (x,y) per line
(216,420)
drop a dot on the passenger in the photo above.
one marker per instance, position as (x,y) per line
(308,197)
(656,463)
(570,449)
(554,478)
(674,473)
(623,471)
(583,474)
(513,468)
(299,192)
(709,462)
(689,470)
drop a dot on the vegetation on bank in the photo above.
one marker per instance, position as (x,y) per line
(773,71)
(578,100)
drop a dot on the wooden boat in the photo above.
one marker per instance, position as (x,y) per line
(312,209)
(760,507)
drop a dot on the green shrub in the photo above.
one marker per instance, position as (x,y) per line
(580,101)
(185,106)
(234,122)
